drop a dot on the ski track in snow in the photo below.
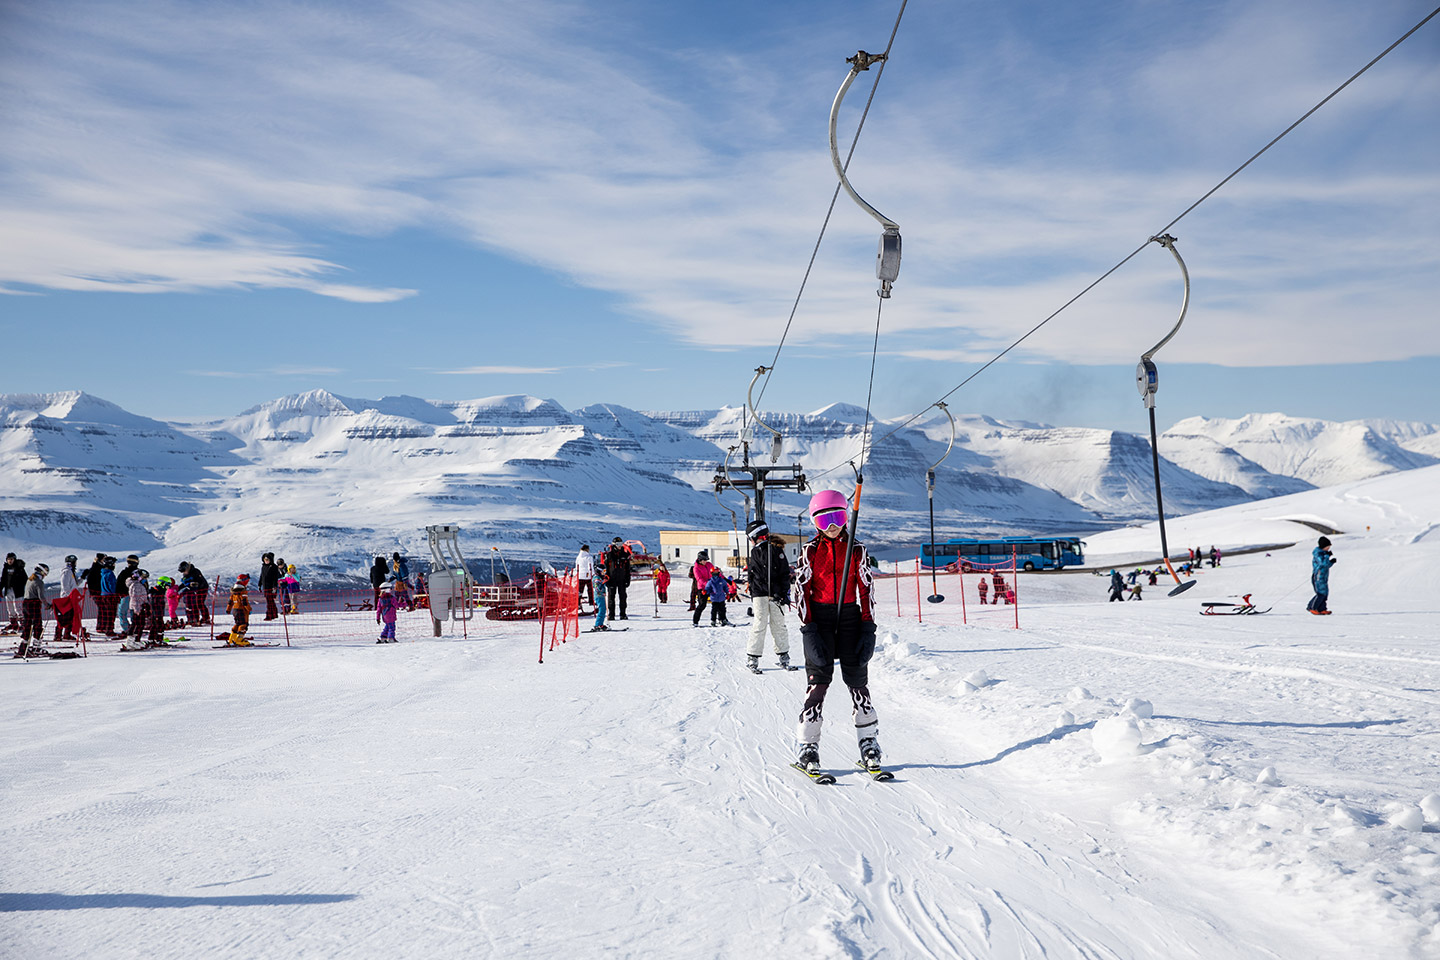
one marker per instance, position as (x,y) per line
(631,796)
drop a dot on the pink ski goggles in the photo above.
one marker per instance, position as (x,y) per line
(826,519)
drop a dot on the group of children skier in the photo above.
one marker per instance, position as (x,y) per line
(130,605)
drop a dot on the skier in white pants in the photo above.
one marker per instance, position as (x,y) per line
(769,578)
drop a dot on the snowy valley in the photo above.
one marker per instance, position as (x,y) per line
(1124,780)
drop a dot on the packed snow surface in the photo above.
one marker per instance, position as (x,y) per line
(1124,780)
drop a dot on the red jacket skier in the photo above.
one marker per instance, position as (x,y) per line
(835,628)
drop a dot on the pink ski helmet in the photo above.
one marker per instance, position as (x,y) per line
(825,506)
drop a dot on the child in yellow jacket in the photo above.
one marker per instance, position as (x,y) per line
(238,606)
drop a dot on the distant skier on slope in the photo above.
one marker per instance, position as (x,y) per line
(269,584)
(238,606)
(717,590)
(1117,586)
(585,573)
(387,611)
(12,587)
(700,573)
(846,634)
(69,603)
(1321,561)
(768,575)
(617,574)
(601,580)
(32,611)
(379,573)
(195,590)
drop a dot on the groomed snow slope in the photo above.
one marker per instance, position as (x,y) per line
(1276,796)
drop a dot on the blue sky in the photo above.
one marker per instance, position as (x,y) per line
(205,206)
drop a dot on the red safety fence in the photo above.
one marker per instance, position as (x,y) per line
(280,619)
(996,585)
(559,610)
(290,618)
(992,587)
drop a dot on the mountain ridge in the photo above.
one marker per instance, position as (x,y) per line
(328,480)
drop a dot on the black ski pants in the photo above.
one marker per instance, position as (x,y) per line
(846,638)
(614,592)
(850,640)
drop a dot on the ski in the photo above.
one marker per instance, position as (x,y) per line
(883,776)
(238,646)
(821,777)
(609,630)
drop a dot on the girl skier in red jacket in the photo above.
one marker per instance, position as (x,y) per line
(835,628)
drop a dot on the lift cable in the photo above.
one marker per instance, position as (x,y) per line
(1163,230)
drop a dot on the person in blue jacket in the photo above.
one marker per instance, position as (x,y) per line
(1321,561)
(718,589)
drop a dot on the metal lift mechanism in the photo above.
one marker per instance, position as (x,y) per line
(1147,380)
(449,580)
(935,596)
(887,259)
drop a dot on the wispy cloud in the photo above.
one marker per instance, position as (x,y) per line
(304,371)
(155,149)
(496,370)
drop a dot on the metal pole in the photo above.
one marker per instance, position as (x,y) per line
(934,585)
(1159,500)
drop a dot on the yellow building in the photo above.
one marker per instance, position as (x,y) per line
(727,548)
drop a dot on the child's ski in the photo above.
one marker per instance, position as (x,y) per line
(821,777)
(239,646)
(876,773)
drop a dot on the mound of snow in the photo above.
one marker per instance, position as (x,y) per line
(1430,804)
(1116,738)
(904,649)
(1137,708)
(1407,817)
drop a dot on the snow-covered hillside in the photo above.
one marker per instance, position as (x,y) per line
(1320,452)
(1124,781)
(327,481)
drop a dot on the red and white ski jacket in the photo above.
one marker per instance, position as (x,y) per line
(818,580)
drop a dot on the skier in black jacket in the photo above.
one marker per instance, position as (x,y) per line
(1117,587)
(768,575)
(379,573)
(617,572)
(269,583)
(196,591)
(12,587)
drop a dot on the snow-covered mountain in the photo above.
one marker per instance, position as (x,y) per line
(1320,452)
(328,481)
(79,471)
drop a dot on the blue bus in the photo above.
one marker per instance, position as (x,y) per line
(1031,553)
